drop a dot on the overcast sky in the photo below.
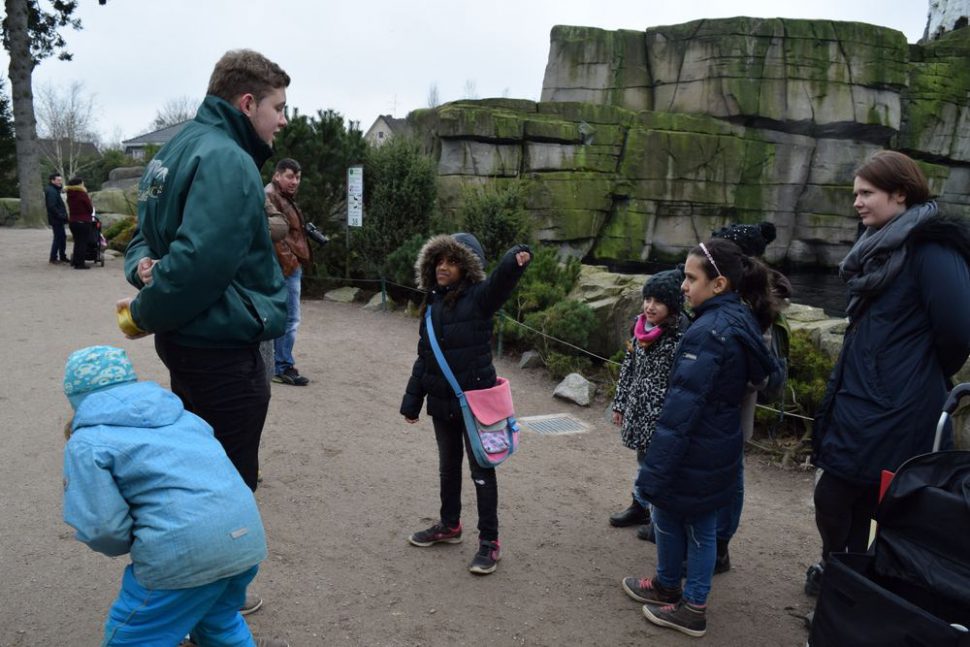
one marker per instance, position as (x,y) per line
(371,57)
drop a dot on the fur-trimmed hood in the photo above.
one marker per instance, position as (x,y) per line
(462,247)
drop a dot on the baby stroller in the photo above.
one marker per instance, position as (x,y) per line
(96,244)
(912,588)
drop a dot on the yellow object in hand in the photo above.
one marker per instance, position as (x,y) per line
(127,324)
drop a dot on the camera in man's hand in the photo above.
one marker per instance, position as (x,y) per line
(316,235)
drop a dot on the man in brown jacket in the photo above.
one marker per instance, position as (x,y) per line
(293,254)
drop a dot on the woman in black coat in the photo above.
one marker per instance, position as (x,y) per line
(909,331)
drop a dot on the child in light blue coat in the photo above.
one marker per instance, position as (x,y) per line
(143,476)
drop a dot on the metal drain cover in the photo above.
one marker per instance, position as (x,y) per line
(554,424)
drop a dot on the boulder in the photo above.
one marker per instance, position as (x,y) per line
(576,388)
(10,211)
(530,359)
(115,201)
(345,294)
(615,300)
(124,177)
(377,303)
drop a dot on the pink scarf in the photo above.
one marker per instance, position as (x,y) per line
(644,335)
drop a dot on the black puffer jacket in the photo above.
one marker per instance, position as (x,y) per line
(462,318)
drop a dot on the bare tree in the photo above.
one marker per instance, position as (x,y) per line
(175,111)
(65,117)
(470,92)
(433,101)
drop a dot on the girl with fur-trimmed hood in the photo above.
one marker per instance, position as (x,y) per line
(450,269)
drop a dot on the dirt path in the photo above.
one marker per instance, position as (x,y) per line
(346,481)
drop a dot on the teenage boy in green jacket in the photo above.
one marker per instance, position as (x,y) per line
(210,286)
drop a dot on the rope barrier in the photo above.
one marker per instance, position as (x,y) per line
(559,341)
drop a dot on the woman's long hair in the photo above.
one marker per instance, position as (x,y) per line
(746,275)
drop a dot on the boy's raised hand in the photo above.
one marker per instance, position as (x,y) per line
(523,258)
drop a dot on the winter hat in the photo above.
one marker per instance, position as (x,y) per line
(665,288)
(95,368)
(469,241)
(752,239)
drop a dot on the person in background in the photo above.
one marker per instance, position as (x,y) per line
(80,220)
(909,332)
(56,217)
(293,254)
(642,385)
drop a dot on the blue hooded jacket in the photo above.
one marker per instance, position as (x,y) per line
(144,476)
(691,466)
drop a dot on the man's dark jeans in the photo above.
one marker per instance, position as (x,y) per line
(59,246)
(227,388)
(450,435)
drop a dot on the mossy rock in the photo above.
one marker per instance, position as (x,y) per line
(116,201)
(9,211)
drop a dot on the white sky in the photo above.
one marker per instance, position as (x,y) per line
(370,57)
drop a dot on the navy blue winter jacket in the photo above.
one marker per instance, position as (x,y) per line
(691,466)
(885,395)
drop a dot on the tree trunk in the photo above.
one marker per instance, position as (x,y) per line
(32,211)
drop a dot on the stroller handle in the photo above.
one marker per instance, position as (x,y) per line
(952,402)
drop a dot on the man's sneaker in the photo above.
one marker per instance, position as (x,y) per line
(648,589)
(252,604)
(813,579)
(270,642)
(486,559)
(682,616)
(292,377)
(436,534)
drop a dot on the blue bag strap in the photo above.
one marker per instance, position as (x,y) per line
(438,355)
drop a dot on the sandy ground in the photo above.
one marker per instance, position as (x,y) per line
(345,482)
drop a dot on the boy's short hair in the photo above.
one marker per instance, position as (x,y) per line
(50,178)
(288,164)
(242,71)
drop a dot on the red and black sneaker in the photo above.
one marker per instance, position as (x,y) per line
(486,559)
(436,534)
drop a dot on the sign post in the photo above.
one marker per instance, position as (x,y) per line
(355,203)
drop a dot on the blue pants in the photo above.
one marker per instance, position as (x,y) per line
(681,537)
(283,346)
(163,617)
(59,245)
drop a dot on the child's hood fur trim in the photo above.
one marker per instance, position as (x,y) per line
(445,244)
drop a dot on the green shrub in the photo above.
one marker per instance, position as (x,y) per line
(808,371)
(119,234)
(118,227)
(545,283)
(496,216)
(560,365)
(399,265)
(568,320)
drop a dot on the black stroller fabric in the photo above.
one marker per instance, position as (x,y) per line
(858,608)
(924,529)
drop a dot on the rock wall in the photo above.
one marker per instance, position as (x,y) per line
(644,142)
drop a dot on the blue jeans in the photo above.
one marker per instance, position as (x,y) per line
(681,537)
(729,517)
(283,346)
(59,246)
(162,617)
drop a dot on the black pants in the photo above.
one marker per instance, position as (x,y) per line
(450,435)
(81,231)
(843,511)
(59,245)
(227,388)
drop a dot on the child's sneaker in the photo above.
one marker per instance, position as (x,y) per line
(649,590)
(436,534)
(682,616)
(486,559)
